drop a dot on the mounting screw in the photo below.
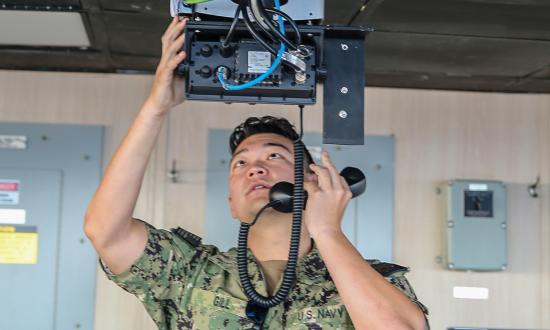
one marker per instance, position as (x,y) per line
(450,224)
(343,114)
(438,190)
(451,265)
(87,157)
(300,77)
(198,19)
(438,259)
(344,90)
(44,138)
(504,266)
(503,225)
(344,47)
(82,241)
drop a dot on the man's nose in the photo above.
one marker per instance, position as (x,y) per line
(257,170)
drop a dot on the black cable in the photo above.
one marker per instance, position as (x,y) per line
(255,34)
(258,303)
(301,106)
(293,24)
(232,28)
(258,20)
(266,206)
(275,30)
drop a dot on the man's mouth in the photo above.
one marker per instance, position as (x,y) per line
(257,187)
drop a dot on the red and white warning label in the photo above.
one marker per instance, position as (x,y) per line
(9,192)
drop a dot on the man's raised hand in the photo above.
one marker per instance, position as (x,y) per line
(168,89)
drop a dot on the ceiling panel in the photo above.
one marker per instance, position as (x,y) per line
(55,60)
(157,7)
(439,81)
(340,12)
(543,73)
(485,45)
(455,55)
(502,19)
(40,4)
(135,34)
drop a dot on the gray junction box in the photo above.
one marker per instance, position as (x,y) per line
(476,225)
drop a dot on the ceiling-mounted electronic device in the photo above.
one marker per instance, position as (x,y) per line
(250,51)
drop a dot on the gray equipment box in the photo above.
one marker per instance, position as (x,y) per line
(476,225)
(48,174)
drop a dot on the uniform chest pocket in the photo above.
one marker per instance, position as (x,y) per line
(215,310)
(327,317)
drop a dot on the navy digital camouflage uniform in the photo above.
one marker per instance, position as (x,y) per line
(186,285)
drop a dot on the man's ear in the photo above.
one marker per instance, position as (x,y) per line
(310,176)
(231,208)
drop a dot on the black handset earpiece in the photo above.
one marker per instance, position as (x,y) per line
(280,195)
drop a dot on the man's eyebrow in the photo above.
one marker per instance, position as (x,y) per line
(274,144)
(238,152)
(268,144)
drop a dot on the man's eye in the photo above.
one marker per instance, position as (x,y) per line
(239,163)
(274,155)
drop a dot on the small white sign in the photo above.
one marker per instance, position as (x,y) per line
(465,292)
(258,62)
(13,216)
(9,192)
(13,142)
(478,187)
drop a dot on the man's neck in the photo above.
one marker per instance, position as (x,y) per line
(269,238)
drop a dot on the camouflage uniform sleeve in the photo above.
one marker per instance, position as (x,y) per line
(395,274)
(162,270)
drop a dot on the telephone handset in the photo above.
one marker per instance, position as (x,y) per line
(281,194)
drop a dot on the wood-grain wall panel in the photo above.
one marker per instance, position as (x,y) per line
(440,136)
(95,99)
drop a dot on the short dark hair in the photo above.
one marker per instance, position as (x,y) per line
(265,124)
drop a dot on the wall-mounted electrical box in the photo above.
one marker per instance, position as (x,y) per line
(48,174)
(476,225)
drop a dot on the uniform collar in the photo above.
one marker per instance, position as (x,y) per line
(310,270)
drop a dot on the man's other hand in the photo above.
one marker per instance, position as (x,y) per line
(328,197)
(168,88)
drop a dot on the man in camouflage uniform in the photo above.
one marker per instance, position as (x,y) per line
(187,285)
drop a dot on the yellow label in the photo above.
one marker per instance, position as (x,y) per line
(18,248)
(7,229)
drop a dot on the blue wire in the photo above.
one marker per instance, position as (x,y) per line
(264,75)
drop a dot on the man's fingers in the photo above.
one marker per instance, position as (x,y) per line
(177,44)
(174,61)
(333,172)
(170,26)
(171,49)
(311,187)
(345,185)
(177,30)
(323,176)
